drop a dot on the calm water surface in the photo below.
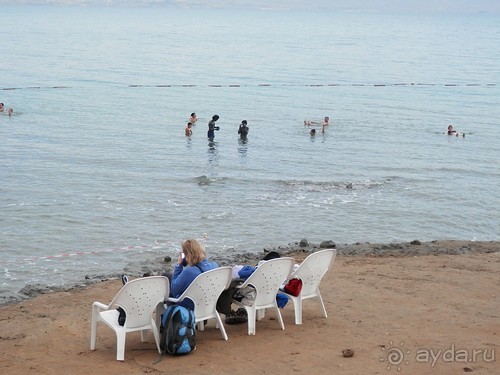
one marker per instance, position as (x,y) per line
(96,173)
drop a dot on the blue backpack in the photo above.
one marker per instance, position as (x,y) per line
(178,331)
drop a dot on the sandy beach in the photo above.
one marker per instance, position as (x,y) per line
(418,308)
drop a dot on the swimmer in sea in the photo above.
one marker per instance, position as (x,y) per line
(193,118)
(189,131)
(243,129)
(326,121)
(452,131)
(212,127)
(8,112)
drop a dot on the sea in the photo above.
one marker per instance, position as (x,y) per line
(96,173)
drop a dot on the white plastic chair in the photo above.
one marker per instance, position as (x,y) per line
(204,291)
(311,272)
(266,280)
(139,298)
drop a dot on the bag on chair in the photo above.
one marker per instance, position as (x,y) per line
(294,287)
(178,335)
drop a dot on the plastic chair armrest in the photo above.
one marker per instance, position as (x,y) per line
(241,285)
(100,306)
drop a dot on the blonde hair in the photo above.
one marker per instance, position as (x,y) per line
(195,250)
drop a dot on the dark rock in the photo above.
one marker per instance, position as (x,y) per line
(396,246)
(303,243)
(327,244)
(347,353)
(415,242)
(167,259)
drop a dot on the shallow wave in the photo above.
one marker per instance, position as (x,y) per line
(326,185)
(205,180)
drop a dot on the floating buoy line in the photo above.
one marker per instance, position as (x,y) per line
(275,85)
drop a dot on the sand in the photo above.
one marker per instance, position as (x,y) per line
(407,312)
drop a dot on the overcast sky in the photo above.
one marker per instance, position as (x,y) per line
(433,6)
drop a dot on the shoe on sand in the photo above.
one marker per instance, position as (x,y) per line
(237,317)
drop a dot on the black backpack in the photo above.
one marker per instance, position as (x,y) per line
(178,335)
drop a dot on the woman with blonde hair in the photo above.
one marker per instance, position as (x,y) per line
(192,262)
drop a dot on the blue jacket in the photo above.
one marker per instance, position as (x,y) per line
(183,276)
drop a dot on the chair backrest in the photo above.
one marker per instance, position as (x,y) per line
(139,297)
(206,288)
(268,277)
(313,268)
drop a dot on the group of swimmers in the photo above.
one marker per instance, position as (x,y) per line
(189,127)
(8,112)
(243,128)
(324,124)
(212,127)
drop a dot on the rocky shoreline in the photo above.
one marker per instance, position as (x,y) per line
(366,249)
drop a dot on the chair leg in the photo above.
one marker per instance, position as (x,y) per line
(201,325)
(120,345)
(261,313)
(156,334)
(220,325)
(251,317)
(322,304)
(160,309)
(280,318)
(297,305)
(144,335)
(93,329)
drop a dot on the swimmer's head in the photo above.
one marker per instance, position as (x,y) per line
(193,114)
(215,117)
(244,122)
